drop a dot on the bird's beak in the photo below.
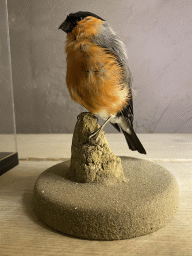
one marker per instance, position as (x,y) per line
(64,26)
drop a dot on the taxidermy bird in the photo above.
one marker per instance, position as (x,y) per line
(98,76)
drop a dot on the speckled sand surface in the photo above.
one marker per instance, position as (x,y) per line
(145,203)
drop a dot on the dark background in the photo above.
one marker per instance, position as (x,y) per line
(158,38)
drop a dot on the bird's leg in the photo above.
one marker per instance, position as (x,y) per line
(94,133)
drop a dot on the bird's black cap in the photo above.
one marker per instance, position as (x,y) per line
(73,18)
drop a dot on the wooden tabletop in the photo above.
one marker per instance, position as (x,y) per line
(22,233)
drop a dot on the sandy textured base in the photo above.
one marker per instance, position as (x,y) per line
(145,203)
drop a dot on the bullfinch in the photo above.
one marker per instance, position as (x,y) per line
(98,76)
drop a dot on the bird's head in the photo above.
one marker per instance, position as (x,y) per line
(73,18)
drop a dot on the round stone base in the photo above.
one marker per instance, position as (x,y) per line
(143,204)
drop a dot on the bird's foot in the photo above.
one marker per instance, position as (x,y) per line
(95,134)
(78,117)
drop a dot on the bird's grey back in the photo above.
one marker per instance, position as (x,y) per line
(107,38)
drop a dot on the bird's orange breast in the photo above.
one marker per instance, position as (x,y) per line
(94,77)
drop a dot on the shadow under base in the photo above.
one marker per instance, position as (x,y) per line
(143,204)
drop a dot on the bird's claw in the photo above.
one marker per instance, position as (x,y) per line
(95,134)
(78,117)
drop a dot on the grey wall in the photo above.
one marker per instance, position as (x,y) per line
(158,37)
(6,108)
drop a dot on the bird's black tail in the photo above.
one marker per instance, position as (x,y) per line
(133,141)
